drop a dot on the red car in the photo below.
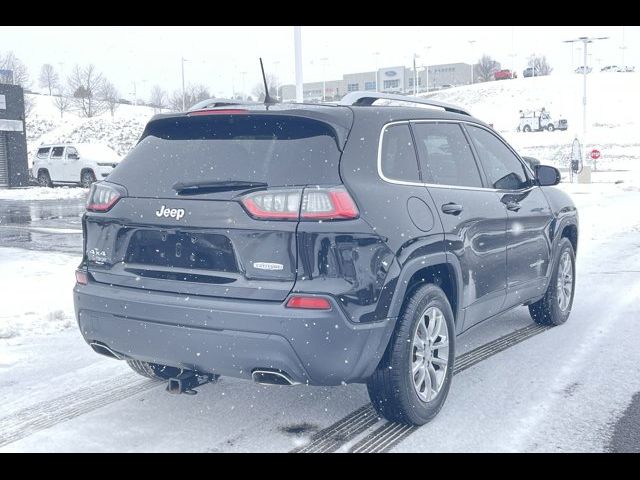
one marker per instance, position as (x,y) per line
(504,75)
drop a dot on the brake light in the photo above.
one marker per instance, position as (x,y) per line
(227,111)
(309,303)
(103,196)
(301,204)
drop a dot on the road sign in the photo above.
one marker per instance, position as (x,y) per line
(595,154)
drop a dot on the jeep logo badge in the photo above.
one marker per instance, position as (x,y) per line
(176,213)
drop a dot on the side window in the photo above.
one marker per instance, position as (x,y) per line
(398,155)
(445,155)
(503,168)
(72,153)
(56,153)
(43,152)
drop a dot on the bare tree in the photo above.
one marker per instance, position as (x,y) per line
(158,98)
(86,84)
(48,77)
(485,68)
(193,95)
(110,95)
(20,73)
(62,101)
(29,105)
(258,89)
(542,66)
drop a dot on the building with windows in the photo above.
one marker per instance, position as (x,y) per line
(388,80)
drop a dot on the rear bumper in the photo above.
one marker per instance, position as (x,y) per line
(231,337)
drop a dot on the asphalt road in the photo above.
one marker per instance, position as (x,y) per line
(47,225)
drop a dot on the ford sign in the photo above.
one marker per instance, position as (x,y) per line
(390,73)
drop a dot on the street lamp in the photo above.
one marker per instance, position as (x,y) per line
(376,54)
(182,60)
(277,64)
(324,77)
(585,41)
(427,48)
(244,93)
(471,42)
(415,74)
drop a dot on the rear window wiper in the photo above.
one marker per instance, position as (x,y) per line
(204,186)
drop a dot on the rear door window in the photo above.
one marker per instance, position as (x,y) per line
(278,150)
(56,153)
(445,155)
(398,155)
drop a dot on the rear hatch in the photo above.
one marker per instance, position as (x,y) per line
(180,225)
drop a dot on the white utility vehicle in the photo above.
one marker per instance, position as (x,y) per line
(73,163)
(539,120)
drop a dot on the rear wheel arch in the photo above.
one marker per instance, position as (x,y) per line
(437,270)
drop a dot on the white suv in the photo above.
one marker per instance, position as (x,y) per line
(73,163)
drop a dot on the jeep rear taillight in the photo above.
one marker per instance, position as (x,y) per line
(315,203)
(103,196)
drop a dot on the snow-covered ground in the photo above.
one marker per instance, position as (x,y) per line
(43,193)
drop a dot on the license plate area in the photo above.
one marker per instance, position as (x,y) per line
(181,249)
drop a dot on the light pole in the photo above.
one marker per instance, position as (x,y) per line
(277,64)
(297,40)
(471,42)
(585,41)
(182,60)
(324,77)
(376,54)
(244,93)
(415,74)
(426,56)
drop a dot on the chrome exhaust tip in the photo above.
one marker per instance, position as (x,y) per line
(103,349)
(272,377)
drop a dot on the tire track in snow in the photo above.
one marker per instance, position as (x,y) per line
(48,413)
(389,434)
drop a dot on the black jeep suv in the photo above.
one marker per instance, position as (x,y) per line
(320,244)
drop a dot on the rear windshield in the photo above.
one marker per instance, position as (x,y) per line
(278,150)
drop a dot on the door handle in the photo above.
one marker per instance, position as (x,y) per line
(513,206)
(451,208)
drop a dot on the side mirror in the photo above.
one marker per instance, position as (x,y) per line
(547,175)
(73,156)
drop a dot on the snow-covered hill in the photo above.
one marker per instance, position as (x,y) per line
(612,118)
(121,132)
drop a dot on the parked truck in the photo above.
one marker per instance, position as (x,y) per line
(539,120)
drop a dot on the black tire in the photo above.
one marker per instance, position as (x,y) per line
(44,180)
(526,128)
(153,370)
(87,178)
(391,387)
(548,311)
(550,127)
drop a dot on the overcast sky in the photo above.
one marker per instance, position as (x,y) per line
(217,56)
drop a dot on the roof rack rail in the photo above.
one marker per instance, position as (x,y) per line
(218,102)
(368,98)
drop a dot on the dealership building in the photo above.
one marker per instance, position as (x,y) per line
(388,80)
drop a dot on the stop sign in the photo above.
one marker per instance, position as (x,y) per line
(595,154)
